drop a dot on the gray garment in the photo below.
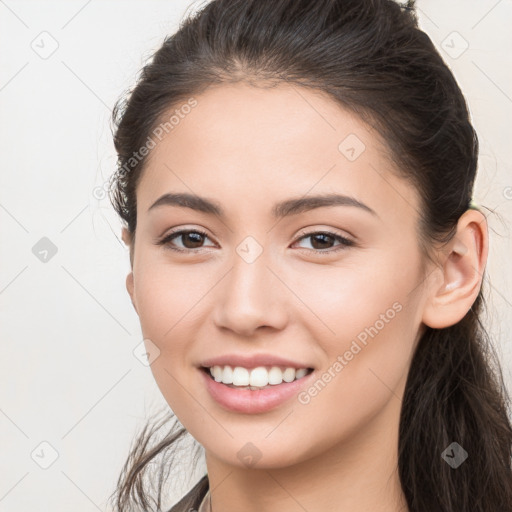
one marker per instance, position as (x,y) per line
(197,497)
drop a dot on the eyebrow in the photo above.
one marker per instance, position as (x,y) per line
(282,209)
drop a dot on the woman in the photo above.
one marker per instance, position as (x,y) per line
(295,179)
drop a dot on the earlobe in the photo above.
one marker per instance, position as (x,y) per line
(462,273)
(130,288)
(129,240)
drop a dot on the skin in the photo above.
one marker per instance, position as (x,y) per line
(248,148)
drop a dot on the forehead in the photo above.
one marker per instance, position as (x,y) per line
(243,142)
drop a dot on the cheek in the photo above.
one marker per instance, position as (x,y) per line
(167,297)
(365,318)
(354,294)
(366,360)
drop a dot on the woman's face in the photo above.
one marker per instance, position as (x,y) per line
(257,285)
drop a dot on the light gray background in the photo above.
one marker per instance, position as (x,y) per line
(68,329)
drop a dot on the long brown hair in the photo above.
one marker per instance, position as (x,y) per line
(371,57)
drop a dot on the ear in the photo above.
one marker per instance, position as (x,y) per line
(130,289)
(126,236)
(130,286)
(463,264)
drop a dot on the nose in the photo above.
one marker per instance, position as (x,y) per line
(250,297)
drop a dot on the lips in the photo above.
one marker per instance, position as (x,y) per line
(253,361)
(249,401)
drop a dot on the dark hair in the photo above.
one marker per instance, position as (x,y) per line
(371,57)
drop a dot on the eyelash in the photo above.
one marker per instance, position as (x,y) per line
(344,242)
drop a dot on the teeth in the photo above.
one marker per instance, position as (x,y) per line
(301,373)
(275,375)
(259,377)
(240,376)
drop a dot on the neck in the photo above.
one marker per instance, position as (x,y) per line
(358,474)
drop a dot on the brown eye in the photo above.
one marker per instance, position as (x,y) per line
(191,239)
(321,241)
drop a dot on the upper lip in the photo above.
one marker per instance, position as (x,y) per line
(252,361)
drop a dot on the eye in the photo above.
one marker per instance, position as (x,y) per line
(324,239)
(191,239)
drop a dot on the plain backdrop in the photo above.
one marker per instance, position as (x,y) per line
(73,391)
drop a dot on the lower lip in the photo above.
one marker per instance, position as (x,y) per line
(253,402)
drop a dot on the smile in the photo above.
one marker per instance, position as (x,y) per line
(256,378)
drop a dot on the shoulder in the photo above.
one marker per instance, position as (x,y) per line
(193,498)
